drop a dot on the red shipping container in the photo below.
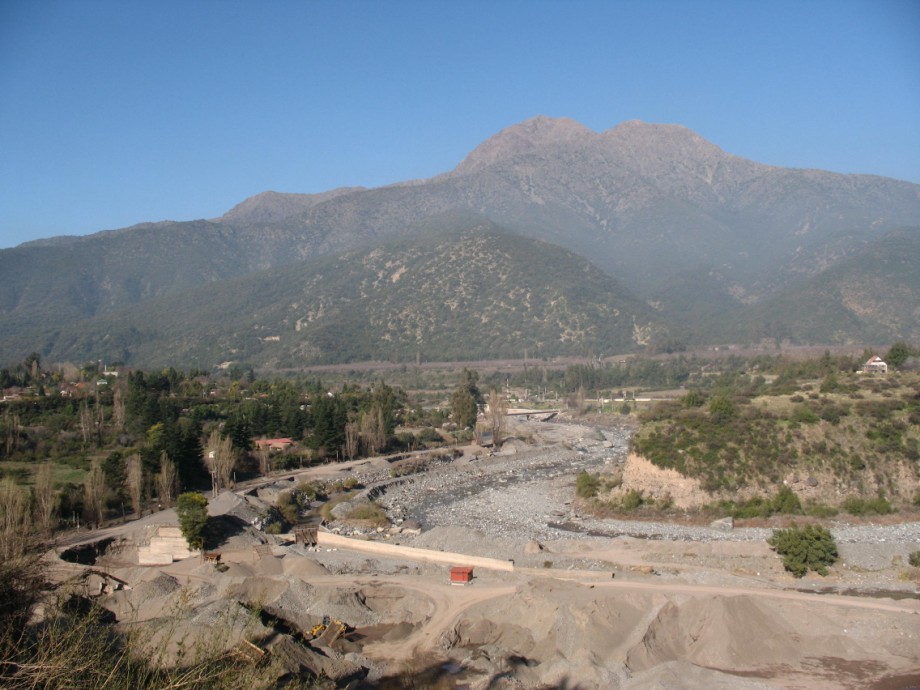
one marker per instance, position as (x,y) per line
(461,575)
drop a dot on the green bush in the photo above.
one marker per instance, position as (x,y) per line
(286,504)
(805,415)
(786,502)
(192,510)
(860,506)
(632,500)
(429,435)
(586,485)
(307,492)
(819,510)
(721,409)
(805,548)
(879,506)
(913,559)
(694,398)
(369,511)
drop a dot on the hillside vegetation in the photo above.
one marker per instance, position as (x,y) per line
(871,296)
(844,440)
(476,293)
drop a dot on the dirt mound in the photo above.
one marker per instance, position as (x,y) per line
(302,567)
(393,604)
(295,657)
(533,547)
(560,632)
(222,615)
(304,605)
(257,590)
(681,674)
(345,604)
(468,541)
(232,533)
(192,593)
(444,537)
(293,604)
(656,483)
(209,628)
(739,632)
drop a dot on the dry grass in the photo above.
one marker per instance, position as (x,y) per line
(369,513)
(910,575)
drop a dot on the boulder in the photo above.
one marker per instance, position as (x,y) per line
(725,524)
(533,546)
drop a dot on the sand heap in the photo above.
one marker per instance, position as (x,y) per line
(555,633)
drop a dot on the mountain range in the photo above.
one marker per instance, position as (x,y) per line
(548,237)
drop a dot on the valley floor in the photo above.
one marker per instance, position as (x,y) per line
(590,603)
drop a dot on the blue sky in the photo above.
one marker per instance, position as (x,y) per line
(119,112)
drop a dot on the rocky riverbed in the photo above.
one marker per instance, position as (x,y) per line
(488,504)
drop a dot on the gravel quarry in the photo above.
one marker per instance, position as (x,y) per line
(589,603)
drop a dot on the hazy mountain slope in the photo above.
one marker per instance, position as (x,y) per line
(110,270)
(478,293)
(643,201)
(657,198)
(871,297)
(53,284)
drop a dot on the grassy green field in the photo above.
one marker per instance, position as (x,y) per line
(24,473)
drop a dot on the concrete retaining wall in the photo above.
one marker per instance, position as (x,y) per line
(335,541)
(166,546)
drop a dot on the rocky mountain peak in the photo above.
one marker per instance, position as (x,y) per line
(650,141)
(270,206)
(529,136)
(656,151)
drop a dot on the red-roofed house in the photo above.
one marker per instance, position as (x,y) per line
(274,444)
(875,365)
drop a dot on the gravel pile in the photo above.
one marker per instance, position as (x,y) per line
(161,586)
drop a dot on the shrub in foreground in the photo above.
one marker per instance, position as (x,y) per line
(586,485)
(805,548)
(192,510)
